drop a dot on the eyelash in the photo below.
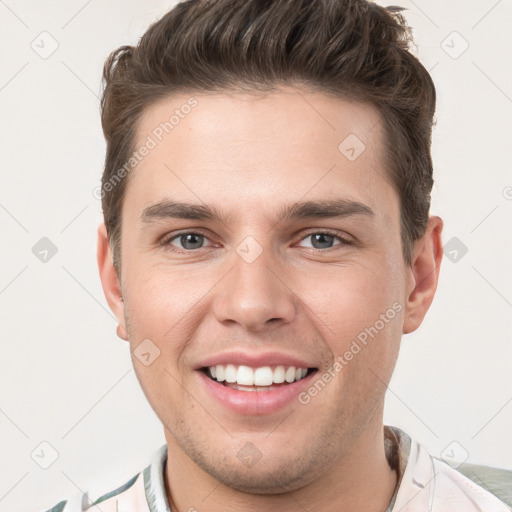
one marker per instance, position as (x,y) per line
(167,241)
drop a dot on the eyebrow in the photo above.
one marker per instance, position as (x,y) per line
(323,209)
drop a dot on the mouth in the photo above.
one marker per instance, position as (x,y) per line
(262,390)
(261,379)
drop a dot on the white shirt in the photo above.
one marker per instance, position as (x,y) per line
(425,484)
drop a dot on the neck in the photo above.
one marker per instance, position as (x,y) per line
(361,480)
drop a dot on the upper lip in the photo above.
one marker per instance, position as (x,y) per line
(256,360)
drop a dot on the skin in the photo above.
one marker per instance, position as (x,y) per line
(249,156)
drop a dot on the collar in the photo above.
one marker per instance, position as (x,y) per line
(397,446)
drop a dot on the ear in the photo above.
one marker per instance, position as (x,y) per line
(425,267)
(110,281)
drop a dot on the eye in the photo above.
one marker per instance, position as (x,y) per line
(188,241)
(325,240)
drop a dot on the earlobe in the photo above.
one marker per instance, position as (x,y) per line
(121,332)
(110,281)
(425,267)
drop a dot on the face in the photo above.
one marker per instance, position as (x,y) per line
(250,237)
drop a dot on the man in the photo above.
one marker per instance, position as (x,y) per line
(267,241)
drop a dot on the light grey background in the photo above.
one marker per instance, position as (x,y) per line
(67,380)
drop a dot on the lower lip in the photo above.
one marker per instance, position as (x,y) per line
(255,402)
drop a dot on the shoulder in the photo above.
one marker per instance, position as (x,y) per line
(143,492)
(495,481)
(129,492)
(489,487)
(428,483)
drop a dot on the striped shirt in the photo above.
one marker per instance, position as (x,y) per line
(424,484)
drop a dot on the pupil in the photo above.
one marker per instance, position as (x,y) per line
(186,239)
(322,237)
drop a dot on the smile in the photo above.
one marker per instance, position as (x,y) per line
(255,391)
(264,378)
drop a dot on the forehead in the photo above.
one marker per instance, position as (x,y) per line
(255,150)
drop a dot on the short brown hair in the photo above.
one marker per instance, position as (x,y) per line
(351,49)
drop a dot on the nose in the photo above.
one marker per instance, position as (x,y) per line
(255,294)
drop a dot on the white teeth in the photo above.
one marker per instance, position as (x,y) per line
(219,370)
(290,374)
(250,388)
(230,373)
(262,377)
(245,376)
(279,374)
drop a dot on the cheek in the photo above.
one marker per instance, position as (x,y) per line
(360,315)
(160,383)
(351,300)
(159,299)
(160,317)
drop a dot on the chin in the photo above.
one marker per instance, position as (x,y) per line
(277,480)
(269,474)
